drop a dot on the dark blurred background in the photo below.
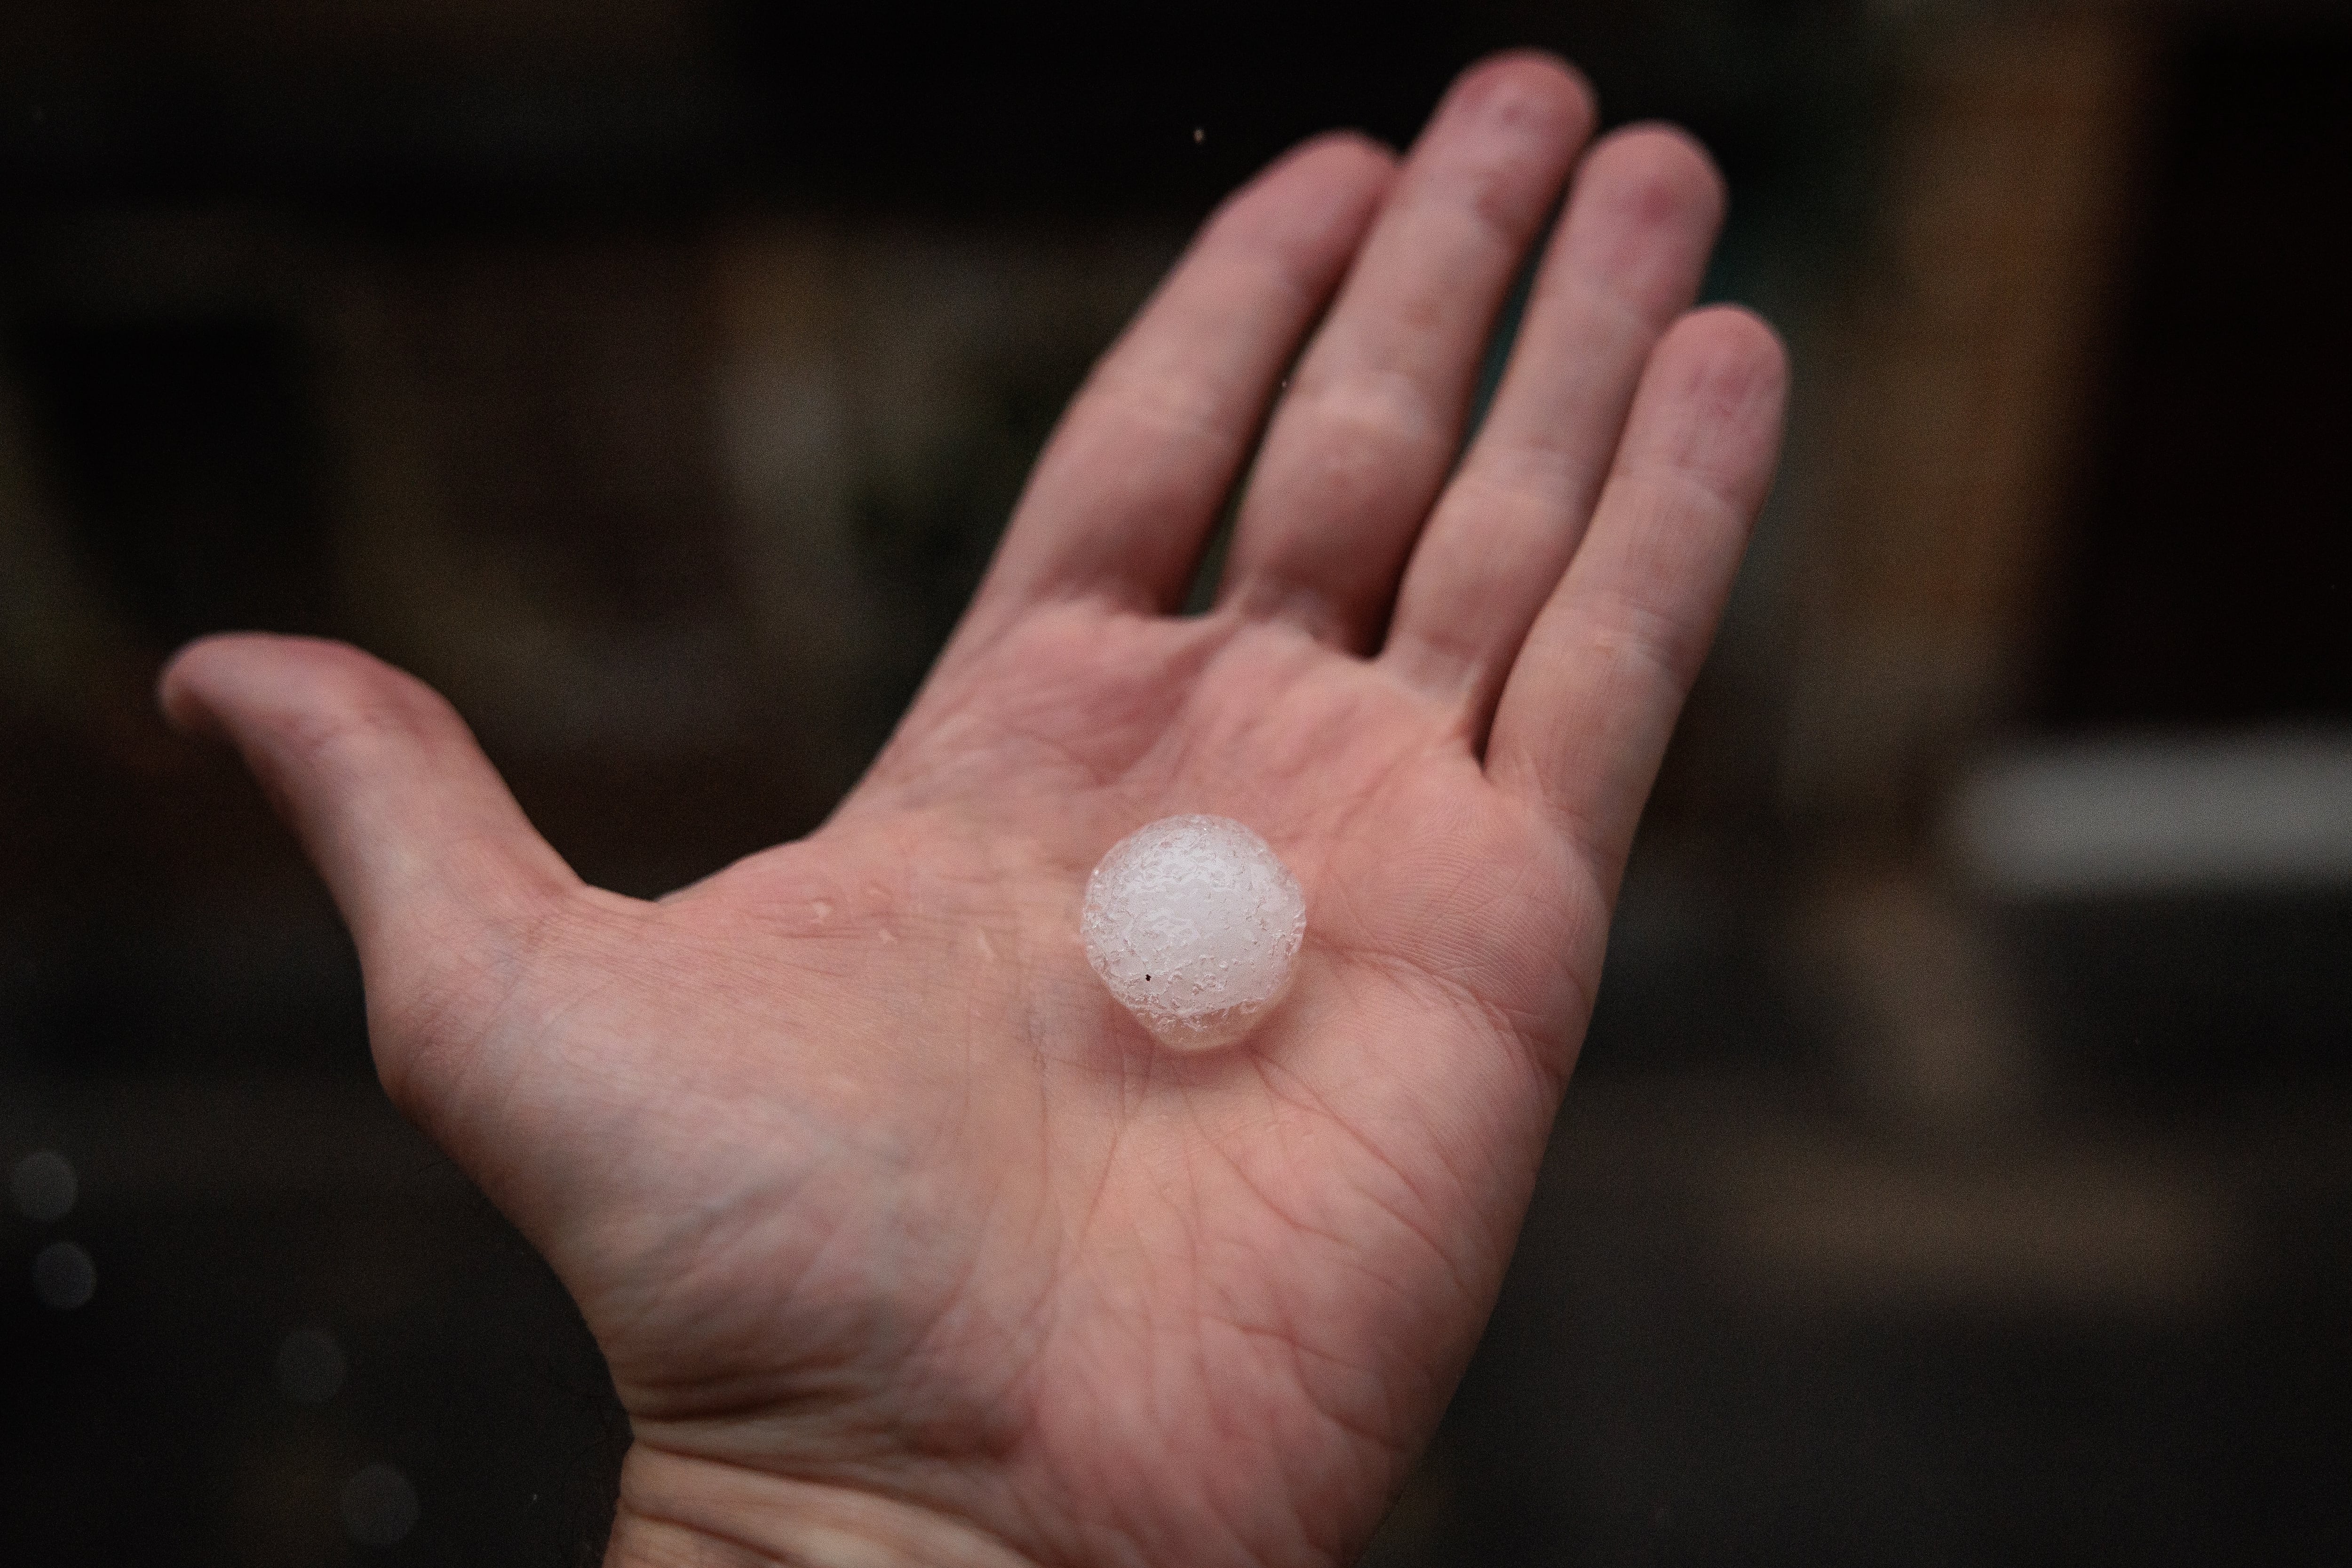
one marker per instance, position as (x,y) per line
(1958,1171)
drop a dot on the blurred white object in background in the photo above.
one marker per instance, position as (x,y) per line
(2158,813)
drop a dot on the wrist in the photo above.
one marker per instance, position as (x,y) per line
(677,1512)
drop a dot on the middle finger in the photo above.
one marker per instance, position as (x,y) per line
(1372,423)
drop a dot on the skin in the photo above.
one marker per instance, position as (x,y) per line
(904,1243)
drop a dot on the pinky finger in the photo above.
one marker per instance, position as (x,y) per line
(1595,690)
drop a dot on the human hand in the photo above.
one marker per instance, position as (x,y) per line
(902,1241)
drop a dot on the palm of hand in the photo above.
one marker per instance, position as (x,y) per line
(1203,1267)
(859,1176)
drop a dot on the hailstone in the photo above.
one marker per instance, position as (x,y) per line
(1194,925)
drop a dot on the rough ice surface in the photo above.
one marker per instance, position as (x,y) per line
(1194,925)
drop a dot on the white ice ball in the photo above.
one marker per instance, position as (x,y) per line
(1194,925)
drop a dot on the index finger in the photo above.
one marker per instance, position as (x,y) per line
(1122,500)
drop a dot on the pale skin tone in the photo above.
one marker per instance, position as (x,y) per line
(904,1244)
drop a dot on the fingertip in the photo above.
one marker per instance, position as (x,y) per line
(1712,404)
(1338,176)
(310,714)
(1316,198)
(187,686)
(1346,151)
(175,698)
(1529,78)
(1660,173)
(1759,327)
(263,673)
(1736,354)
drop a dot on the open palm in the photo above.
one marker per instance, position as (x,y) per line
(900,1237)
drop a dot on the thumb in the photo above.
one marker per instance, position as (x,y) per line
(437,872)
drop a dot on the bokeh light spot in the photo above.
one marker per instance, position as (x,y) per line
(64,1275)
(380,1506)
